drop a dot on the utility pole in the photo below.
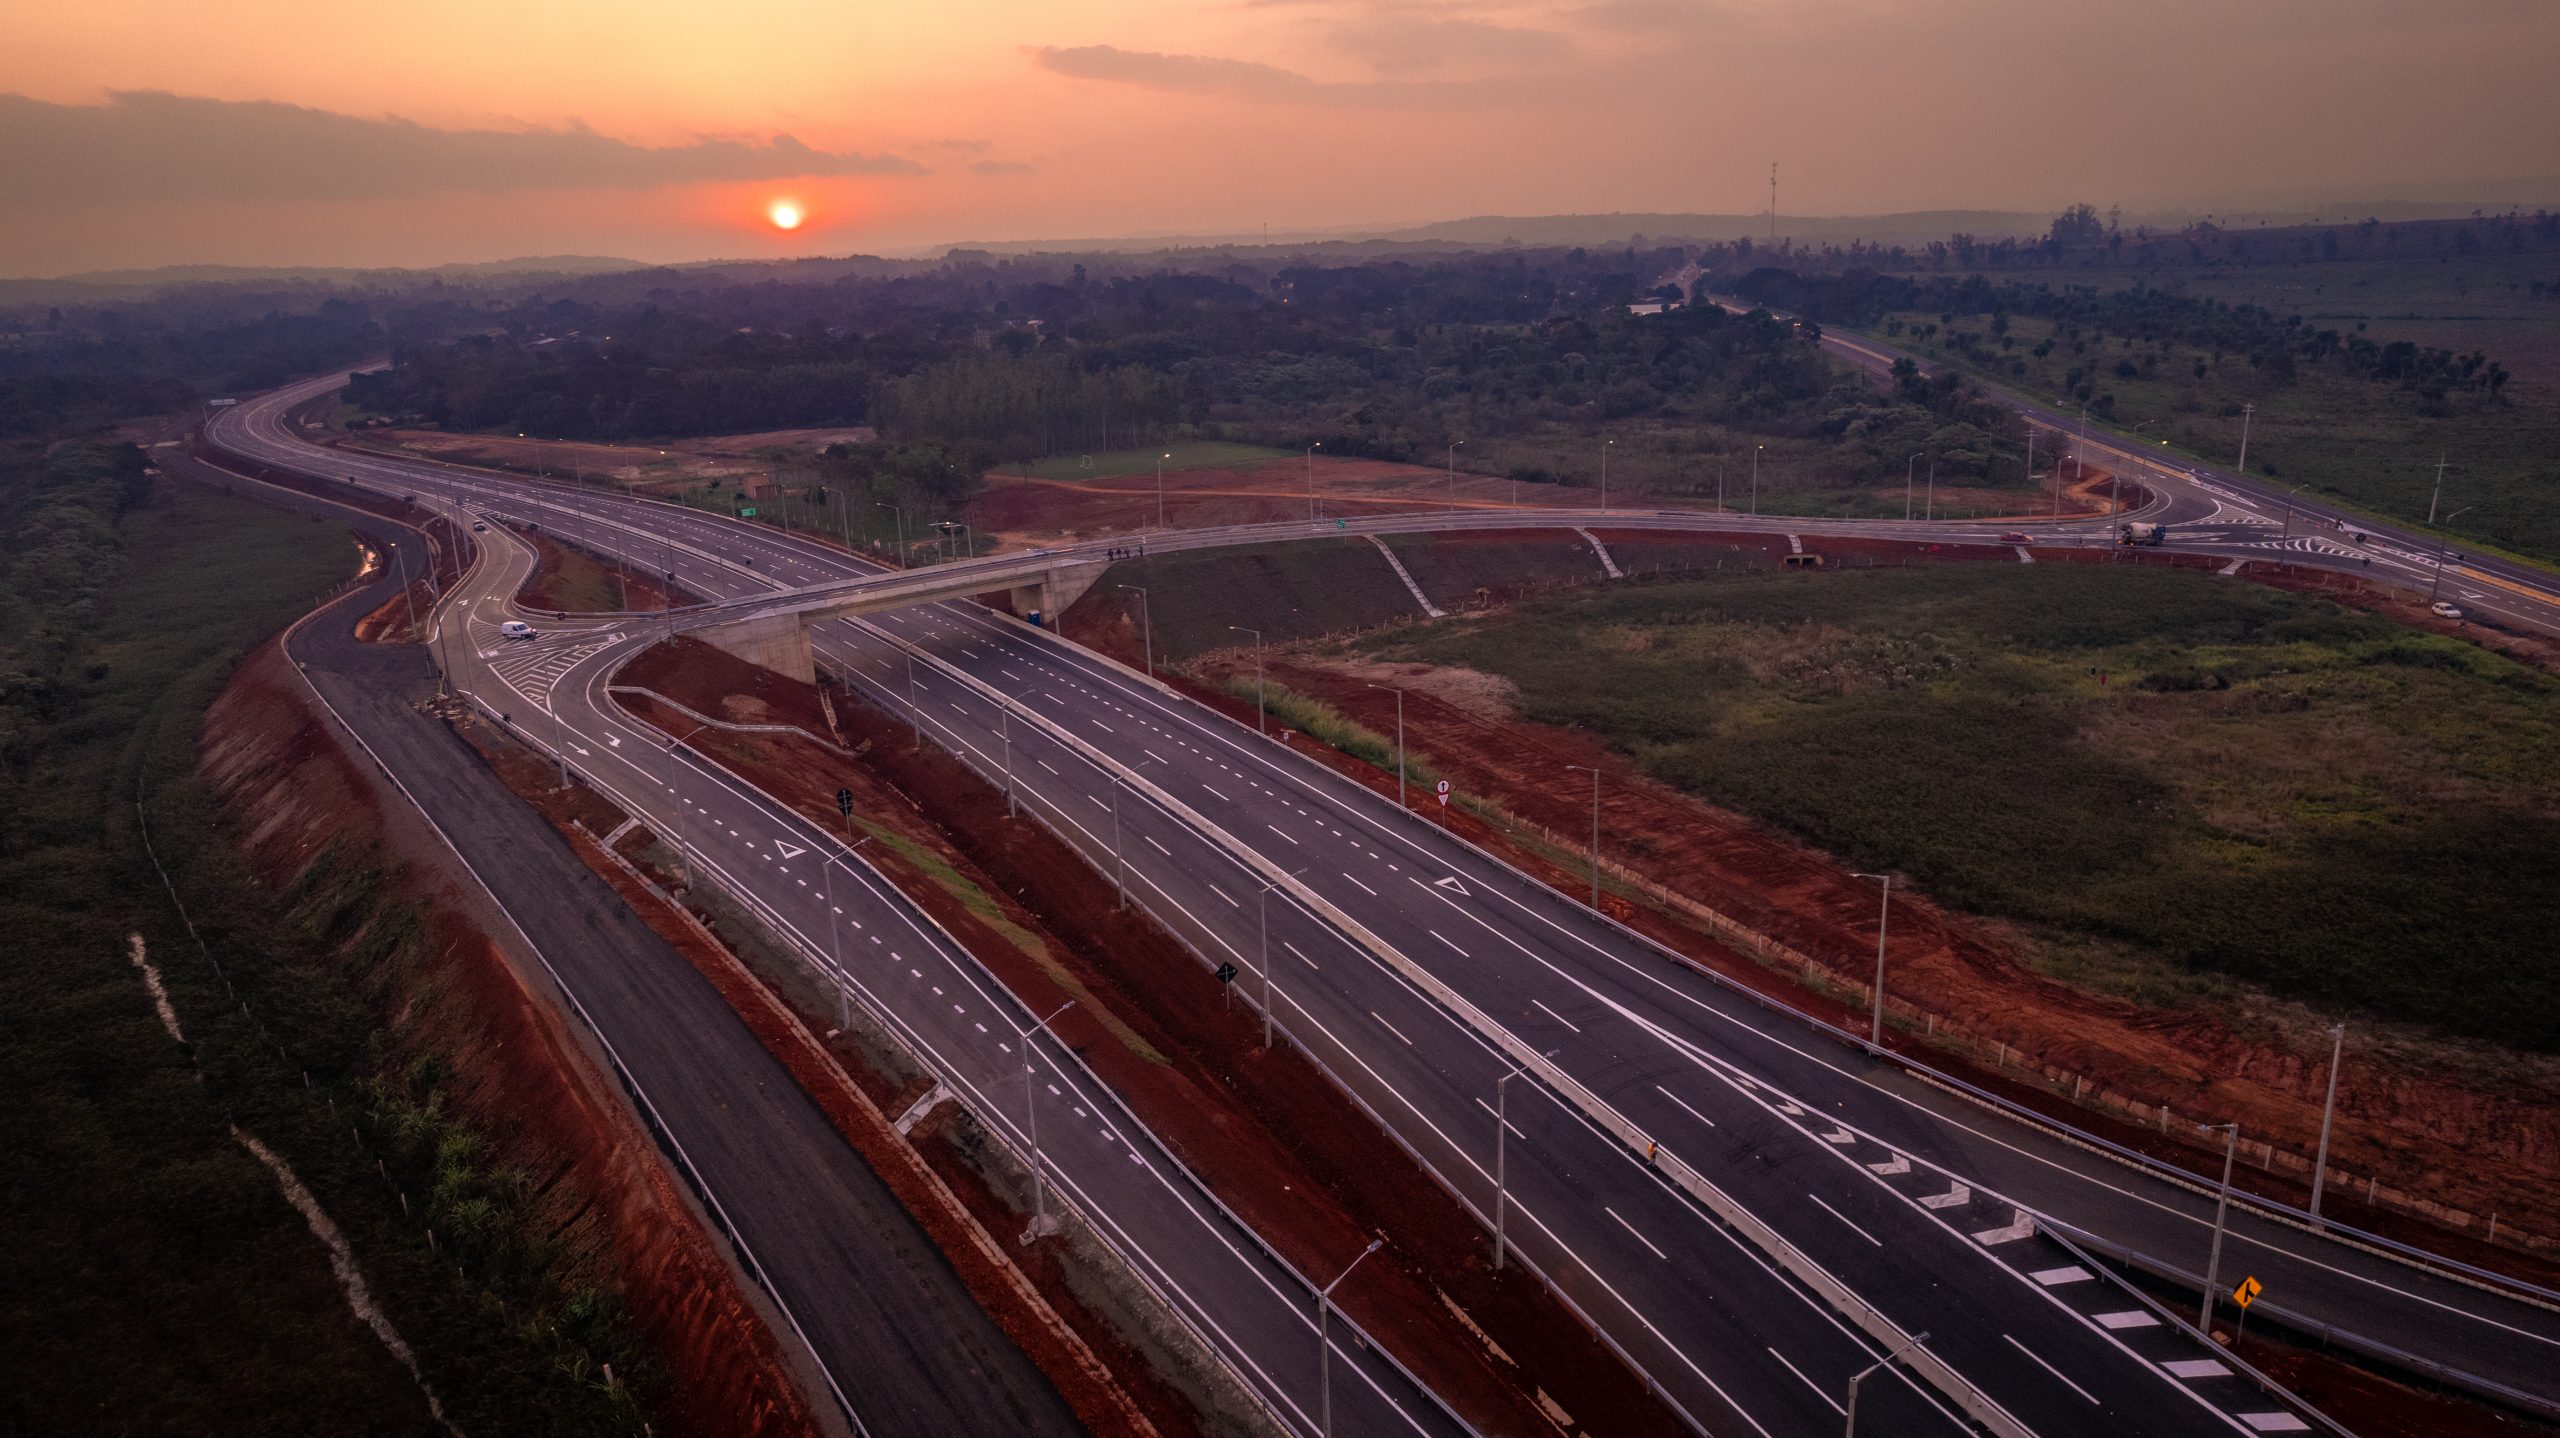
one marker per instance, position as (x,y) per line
(2438,492)
(1595,831)
(2213,1262)
(1041,1223)
(2246,411)
(1604,474)
(1146,616)
(1400,803)
(1773,204)
(1884,917)
(1311,480)
(1259,727)
(1755,477)
(2328,1111)
(1324,1338)
(1160,459)
(1453,475)
(1907,466)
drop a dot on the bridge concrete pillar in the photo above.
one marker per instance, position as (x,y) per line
(1057,587)
(779,642)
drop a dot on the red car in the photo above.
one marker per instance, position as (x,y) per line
(2014,537)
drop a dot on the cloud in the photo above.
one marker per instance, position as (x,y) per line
(151,144)
(1244,79)
(1404,42)
(1001,167)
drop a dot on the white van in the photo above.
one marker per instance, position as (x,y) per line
(515,629)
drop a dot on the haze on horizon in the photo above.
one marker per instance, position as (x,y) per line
(250,132)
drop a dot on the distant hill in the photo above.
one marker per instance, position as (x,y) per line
(167,275)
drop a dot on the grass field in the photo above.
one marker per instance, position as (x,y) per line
(2364,444)
(2231,780)
(155,1279)
(1114,464)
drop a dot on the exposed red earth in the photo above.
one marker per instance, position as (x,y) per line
(291,793)
(1267,1131)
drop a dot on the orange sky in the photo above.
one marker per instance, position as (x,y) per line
(474,129)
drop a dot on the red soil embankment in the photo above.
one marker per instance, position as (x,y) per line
(517,1070)
(1266,1130)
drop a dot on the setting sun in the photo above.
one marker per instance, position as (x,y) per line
(785,215)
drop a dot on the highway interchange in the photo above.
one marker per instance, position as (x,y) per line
(1866,1209)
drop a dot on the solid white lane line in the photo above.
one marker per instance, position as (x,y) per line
(1444,938)
(1684,1108)
(1391,1028)
(1283,833)
(1844,1218)
(1363,888)
(1809,1383)
(2049,1368)
(1559,1018)
(1223,799)
(1640,1238)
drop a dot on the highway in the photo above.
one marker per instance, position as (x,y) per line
(1419,972)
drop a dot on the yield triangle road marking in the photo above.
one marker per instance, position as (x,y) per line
(1955,1194)
(1453,886)
(789,851)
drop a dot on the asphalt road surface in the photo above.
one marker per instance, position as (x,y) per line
(1867,1179)
(903,1344)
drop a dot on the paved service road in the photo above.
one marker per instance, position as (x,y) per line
(1851,1174)
(897,1335)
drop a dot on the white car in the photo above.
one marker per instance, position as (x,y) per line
(515,629)
(2442,610)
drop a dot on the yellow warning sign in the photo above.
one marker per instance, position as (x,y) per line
(2247,1293)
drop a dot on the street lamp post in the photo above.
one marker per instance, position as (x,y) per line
(1400,803)
(1324,1338)
(2246,411)
(2445,556)
(2438,492)
(2221,1208)
(2115,492)
(915,709)
(1908,466)
(2328,1111)
(835,945)
(1453,474)
(1604,474)
(1849,1410)
(1259,727)
(2288,509)
(1119,857)
(1929,499)
(1004,722)
(1311,480)
(1755,477)
(901,514)
(1594,772)
(1147,618)
(1884,916)
(1160,459)
(684,861)
(1041,1223)
(1264,920)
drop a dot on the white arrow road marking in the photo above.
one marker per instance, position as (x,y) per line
(789,851)
(1840,1136)
(1955,1194)
(2021,1225)
(616,743)
(1898,1164)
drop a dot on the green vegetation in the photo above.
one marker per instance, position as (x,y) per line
(2239,781)
(1310,715)
(155,1278)
(1114,464)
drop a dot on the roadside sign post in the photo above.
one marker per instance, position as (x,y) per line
(1227,986)
(2246,1294)
(844,807)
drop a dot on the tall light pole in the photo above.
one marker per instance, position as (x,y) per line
(1147,618)
(1755,477)
(1041,1223)
(1324,1338)
(2438,492)
(2246,411)
(1119,856)
(1929,500)
(2221,1208)
(1453,474)
(1884,916)
(835,946)
(1311,480)
(1399,740)
(2288,509)
(1004,719)
(2444,555)
(1258,726)
(1908,466)
(1264,917)
(901,514)
(1604,474)
(684,862)
(2115,492)
(1594,772)
(1850,1409)
(1160,459)
(2328,1111)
